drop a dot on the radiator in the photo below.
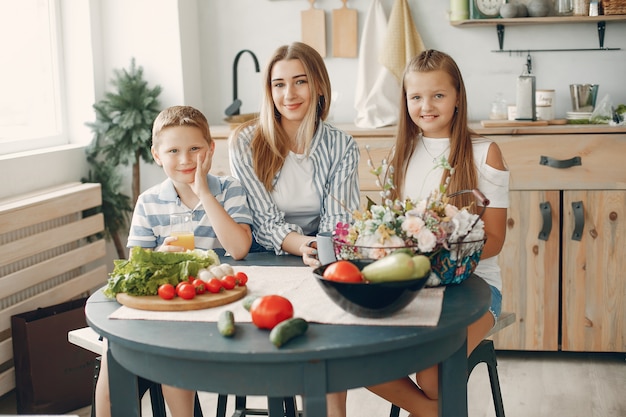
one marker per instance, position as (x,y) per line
(50,252)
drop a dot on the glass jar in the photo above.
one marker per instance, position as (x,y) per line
(563,7)
(580,7)
(499,110)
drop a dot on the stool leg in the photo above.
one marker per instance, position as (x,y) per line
(495,385)
(197,409)
(96,374)
(222,399)
(157,401)
(395,411)
(290,406)
(240,406)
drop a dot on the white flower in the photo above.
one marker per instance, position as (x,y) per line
(426,240)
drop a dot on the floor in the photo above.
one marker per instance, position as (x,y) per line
(533,385)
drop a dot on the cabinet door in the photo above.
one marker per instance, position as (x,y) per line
(594,272)
(530,273)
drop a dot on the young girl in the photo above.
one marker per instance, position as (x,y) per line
(300,173)
(432,126)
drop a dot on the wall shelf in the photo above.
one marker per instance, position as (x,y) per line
(521,21)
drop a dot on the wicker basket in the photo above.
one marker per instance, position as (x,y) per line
(452,266)
(614,7)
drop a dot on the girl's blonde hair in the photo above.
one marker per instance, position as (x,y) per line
(180,116)
(409,134)
(270,144)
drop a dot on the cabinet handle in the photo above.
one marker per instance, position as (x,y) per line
(579,220)
(546,215)
(556,163)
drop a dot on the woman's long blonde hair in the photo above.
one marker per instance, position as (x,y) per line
(409,134)
(270,144)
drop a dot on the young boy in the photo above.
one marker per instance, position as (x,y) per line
(182,145)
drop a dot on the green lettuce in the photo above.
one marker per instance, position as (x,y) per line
(145,270)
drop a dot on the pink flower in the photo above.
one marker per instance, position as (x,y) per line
(412,225)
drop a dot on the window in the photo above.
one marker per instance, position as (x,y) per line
(30,104)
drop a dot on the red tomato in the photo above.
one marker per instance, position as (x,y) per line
(269,310)
(199,285)
(186,291)
(214,285)
(241,278)
(344,271)
(191,279)
(166,291)
(179,285)
(228,282)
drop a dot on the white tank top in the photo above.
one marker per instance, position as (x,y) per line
(295,195)
(422,178)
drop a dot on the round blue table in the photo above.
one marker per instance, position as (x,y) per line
(328,358)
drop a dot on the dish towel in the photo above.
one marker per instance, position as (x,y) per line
(299,286)
(402,42)
(377,94)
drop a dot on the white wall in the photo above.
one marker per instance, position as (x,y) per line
(262,25)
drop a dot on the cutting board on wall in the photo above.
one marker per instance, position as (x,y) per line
(345,32)
(314,28)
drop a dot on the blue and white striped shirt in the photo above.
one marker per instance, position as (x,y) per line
(335,156)
(151,218)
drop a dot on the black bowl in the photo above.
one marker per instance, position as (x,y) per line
(369,299)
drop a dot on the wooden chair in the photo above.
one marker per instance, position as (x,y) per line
(484,353)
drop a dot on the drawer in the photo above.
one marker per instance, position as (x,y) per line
(602,161)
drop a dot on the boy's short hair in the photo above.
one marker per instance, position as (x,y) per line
(181,116)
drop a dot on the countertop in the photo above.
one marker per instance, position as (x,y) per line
(222,131)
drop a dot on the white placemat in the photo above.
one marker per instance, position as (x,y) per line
(309,300)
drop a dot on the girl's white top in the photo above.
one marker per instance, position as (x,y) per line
(423,176)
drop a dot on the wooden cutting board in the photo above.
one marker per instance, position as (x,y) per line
(345,32)
(199,302)
(513,123)
(314,28)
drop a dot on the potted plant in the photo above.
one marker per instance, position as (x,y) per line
(122,133)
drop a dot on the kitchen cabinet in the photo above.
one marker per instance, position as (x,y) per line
(567,291)
(563,259)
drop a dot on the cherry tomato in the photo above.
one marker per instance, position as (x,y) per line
(241,278)
(214,285)
(344,271)
(228,282)
(179,284)
(166,291)
(191,279)
(186,291)
(269,310)
(199,285)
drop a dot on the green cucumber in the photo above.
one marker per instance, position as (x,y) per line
(226,323)
(248,300)
(395,267)
(287,330)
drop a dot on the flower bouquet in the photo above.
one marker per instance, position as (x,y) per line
(452,238)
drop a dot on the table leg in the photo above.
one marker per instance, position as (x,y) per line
(275,407)
(453,384)
(123,390)
(315,387)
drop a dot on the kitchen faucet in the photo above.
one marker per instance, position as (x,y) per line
(233,109)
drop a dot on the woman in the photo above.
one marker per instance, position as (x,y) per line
(300,173)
